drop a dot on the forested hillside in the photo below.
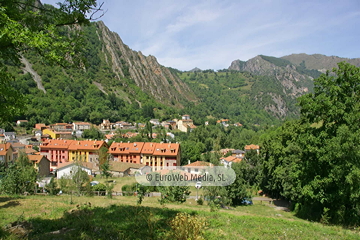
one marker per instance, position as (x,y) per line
(114,82)
(103,88)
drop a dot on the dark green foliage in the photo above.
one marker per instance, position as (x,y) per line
(237,191)
(99,187)
(197,144)
(310,72)
(18,177)
(314,162)
(216,196)
(173,194)
(92,133)
(229,94)
(28,25)
(52,188)
(129,190)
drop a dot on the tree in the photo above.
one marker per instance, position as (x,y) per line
(104,162)
(331,143)
(29,25)
(92,133)
(173,194)
(216,197)
(19,177)
(238,190)
(314,162)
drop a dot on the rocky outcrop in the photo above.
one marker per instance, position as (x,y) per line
(28,69)
(144,71)
(292,83)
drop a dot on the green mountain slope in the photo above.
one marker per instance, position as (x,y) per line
(114,82)
(117,83)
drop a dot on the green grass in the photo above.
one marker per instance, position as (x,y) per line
(121,218)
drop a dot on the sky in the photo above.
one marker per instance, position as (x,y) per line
(210,34)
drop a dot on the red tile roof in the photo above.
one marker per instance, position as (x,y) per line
(126,148)
(4,147)
(166,149)
(252,147)
(56,144)
(86,145)
(198,164)
(36,158)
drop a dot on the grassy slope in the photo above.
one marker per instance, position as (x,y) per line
(121,218)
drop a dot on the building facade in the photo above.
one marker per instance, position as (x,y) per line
(156,155)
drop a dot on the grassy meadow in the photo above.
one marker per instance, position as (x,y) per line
(53,217)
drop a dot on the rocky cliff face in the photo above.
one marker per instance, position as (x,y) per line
(292,84)
(319,62)
(144,71)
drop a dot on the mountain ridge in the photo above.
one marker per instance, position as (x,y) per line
(117,82)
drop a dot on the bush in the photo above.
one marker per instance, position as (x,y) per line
(99,187)
(52,188)
(200,201)
(128,190)
(186,226)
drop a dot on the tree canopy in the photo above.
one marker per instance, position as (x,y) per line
(314,161)
(29,25)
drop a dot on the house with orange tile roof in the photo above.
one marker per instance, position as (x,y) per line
(86,151)
(56,150)
(238,124)
(252,147)
(41,164)
(224,122)
(40,126)
(165,155)
(126,152)
(7,153)
(228,161)
(156,155)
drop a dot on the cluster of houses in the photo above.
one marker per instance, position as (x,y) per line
(185,124)
(58,152)
(69,130)
(236,154)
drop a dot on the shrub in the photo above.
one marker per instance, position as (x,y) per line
(186,226)
(99,187)
(200,201)
(128,190)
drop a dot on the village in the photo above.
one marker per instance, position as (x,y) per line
(55,149)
